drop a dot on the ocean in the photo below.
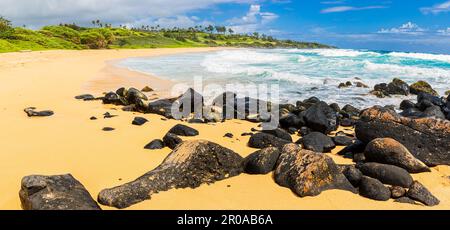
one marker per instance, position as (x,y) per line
(303,73)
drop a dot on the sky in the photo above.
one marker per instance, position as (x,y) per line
(391,25)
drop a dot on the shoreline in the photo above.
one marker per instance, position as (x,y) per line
(69,142)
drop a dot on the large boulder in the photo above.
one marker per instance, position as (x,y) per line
(373,189)
(183,130)
(308,173)
(422,87)
(320,117)
(264,140)
(390,151)
(317,142)
(352,174)
(190,165)
(262,161)
(418,192)
(62,192)
(388,174)
(427,139)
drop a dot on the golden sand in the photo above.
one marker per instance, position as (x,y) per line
(69,142)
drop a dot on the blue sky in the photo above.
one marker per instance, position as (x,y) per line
(401,25)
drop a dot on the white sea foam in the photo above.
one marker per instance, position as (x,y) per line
(408,71)
(423,56)
(334,52)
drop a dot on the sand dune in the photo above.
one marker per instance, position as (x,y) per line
(69,142)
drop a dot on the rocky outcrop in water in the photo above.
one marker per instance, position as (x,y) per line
(61,192)
(190,165)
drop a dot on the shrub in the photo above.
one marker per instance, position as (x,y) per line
(63,32)
(94,40)
(5,27)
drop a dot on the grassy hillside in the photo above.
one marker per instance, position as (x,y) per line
(104,37)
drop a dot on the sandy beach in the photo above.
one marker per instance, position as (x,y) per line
(69,142)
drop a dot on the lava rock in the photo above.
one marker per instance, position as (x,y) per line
(133,96)
(373,189)
(321,118)
(108,115)
(108,129)
(406,200)
(147,89)
(190,165)
(62,192)
(413,113)
(112,98)
(390,151)
(280,133)
(291,120)
(171,140)
(161,107)
(229,135)
(264,140)
(85,97)
(357,147)
(308,173)
(93,118)
(398,87)
(32,113)
(317,142)
(434,111)
(427,139)
(304,131)
(183,130)
(407,104)
(139,121)
(343,140)
(419,193)
(397,192)
(388,174)
(155,144)
(422,87)
(351,111)
(262,161)
(353,175)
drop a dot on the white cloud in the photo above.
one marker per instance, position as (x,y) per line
(339,9)
(444,32)
(408,28)
(253,21)
(41,12)
(436,9)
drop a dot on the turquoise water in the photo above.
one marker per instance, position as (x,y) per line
(304,73)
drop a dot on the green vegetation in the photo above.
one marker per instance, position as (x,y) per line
(104,36)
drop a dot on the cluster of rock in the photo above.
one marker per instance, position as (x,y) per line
(386,148)
(399,87)
(427,106)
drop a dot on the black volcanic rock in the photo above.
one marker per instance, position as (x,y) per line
(317,142)
(427,139)
(190,165)
(321,118)
(373,189)
(183,130)
(262,161)
(62,192)
(388,174)
(308,173)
